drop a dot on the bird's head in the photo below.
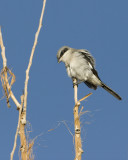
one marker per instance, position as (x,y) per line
(61,53)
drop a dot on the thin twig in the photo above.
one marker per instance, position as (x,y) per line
(67,128)
(31,58)
(85,97)
(30,148)
(3,50)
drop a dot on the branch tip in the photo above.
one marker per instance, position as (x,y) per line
(85,97)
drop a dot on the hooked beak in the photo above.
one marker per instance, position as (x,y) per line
(59,60)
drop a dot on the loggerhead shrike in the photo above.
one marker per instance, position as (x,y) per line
(80,65)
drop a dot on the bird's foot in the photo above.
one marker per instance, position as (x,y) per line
(78,82)
(75,84)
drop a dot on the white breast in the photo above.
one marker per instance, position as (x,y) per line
(78,67)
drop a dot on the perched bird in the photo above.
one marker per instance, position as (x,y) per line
(80,65)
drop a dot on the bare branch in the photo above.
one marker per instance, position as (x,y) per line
(3,50)
(7,85)
(18,128)
(31,58)
(78,144)
(85,97)
(25,147)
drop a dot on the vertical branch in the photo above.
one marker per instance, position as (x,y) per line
(78,144)
(23,141)
(75,91)
(3,50)
(30,60)
(18,130)
(26,148)
(21,129)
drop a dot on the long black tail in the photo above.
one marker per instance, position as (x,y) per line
(111,91)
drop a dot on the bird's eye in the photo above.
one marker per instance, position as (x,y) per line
(63,51)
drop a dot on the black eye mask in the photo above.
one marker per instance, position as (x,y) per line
(63,51)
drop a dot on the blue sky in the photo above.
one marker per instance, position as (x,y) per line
(97,25)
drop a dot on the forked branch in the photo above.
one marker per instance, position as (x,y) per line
(5,74)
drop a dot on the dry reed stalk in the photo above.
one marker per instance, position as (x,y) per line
(30,60)
(25,147)
(78,143)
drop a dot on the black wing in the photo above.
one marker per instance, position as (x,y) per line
(86,54)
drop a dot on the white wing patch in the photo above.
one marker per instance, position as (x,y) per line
(90,65)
